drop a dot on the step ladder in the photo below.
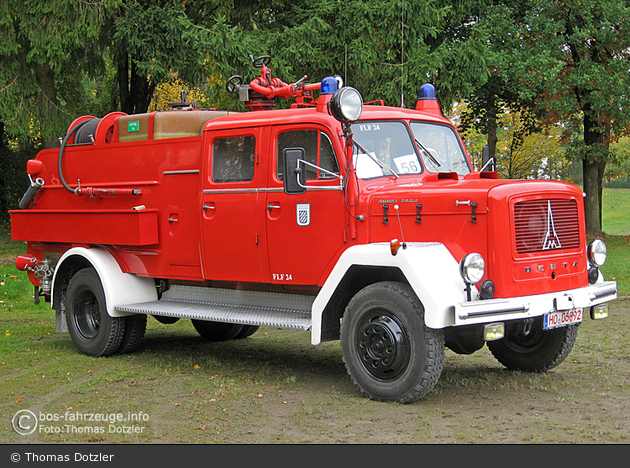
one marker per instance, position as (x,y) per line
(229,305)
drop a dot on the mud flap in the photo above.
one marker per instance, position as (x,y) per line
(61,326)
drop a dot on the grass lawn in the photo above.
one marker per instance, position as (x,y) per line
(616,212)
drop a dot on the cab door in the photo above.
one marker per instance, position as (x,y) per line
(232,210)
(304,231)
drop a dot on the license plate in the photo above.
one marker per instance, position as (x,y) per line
(562,318)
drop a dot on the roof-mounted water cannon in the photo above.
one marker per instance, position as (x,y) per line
(261,92)
(427,100)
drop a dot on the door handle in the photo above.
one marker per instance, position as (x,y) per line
(207,207)
(271,206)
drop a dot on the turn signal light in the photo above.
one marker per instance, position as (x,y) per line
(394,246)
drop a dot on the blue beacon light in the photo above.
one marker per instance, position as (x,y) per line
(329,85)
(427,91)
(427,100)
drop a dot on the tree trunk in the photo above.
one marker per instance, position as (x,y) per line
(135,90)
(4,152)
(592,207)
(45,77)
(492,131)
(593,165)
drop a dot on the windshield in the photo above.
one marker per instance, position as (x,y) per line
(384,149)
(440,148)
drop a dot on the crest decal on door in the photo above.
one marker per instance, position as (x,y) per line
(303,214)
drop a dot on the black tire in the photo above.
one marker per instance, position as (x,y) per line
(91,328)
(246,331)
(527,347)
(389,352)
(217,331)
(135,327)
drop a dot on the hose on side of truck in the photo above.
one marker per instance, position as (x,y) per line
(86,136)
(64,142)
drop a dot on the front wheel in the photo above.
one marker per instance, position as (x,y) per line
(389,352)
(93,331)
(530,348)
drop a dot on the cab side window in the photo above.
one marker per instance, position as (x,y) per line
(233,159)
(318,151)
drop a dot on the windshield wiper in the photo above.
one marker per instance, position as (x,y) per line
(381,164)
(431,157)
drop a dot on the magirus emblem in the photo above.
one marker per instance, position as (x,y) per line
(551,238)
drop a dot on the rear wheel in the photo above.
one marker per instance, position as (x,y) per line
(217,331)
(91,328)
(530,348)
(247,330)
(135,327)
(389,352)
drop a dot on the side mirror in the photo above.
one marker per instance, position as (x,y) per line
(294,173)
(486,161)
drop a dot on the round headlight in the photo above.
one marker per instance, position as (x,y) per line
(472,268)
(597,252)
(346,105)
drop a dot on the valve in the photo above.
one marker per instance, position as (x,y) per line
(41,269)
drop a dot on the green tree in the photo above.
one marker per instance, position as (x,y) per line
(571,58)
(148,40)
(617,172)
(386,49)
(44,47)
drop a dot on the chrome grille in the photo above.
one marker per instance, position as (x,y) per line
(546,225)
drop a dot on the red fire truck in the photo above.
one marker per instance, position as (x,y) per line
(357,222)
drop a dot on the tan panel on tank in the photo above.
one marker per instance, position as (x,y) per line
(182,123)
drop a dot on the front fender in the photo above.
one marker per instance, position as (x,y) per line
(120,288)
(429,267)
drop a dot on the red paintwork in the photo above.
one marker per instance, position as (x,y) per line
(238,239)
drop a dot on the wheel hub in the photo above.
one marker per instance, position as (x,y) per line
(87,315)
(383,347)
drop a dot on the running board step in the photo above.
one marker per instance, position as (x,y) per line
(230,305)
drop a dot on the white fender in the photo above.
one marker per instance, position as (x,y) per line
(120,288)
(429,267)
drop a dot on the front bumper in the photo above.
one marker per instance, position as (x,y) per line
(496,310)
